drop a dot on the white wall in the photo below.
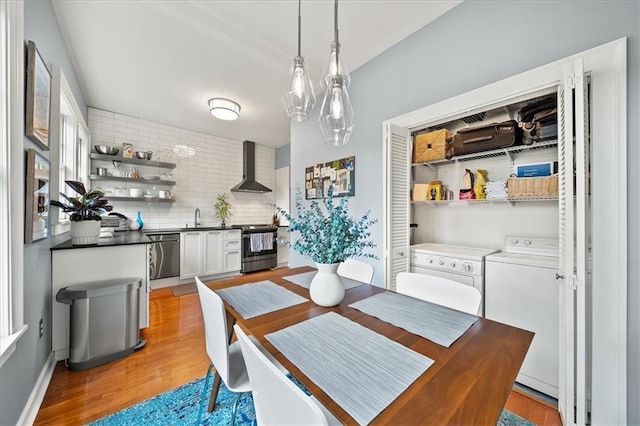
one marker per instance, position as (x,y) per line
(214,169)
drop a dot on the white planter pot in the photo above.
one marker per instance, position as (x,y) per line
(85,232)
(326,287)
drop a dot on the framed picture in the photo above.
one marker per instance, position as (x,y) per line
(36,223)
(338,173)
(38,97)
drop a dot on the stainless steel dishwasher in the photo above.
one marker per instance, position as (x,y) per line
(164,256)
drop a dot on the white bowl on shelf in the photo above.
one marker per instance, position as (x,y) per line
(135,192)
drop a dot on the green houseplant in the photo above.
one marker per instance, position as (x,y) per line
(328,236)
(222,208)
(84,211)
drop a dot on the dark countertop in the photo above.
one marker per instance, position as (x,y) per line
(124,238)
(199,228)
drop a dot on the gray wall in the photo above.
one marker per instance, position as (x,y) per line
(283,156)
(475,44)
(19,374)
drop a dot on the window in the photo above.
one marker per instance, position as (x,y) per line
(69,146)
(11,177)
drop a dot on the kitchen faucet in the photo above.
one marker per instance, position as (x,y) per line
(197,218)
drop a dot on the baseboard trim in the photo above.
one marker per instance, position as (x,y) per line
(31,408)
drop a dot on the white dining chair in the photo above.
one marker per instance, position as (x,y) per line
(277,400)
(227,359)
(442,291)
(356,270)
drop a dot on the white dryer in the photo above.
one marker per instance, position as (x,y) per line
(521,290)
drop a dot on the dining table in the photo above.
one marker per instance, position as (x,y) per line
(464,380)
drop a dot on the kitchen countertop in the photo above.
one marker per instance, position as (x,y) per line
(124,238)
(190,229)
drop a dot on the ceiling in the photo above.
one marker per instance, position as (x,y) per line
(162,60)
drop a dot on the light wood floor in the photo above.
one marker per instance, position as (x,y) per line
(174,355)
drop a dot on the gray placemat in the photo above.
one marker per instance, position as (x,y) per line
(429,320)
(361,370)
(253,299)
(304,280)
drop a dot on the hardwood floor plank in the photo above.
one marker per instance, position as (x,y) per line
(174,355)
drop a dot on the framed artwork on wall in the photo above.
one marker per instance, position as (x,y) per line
(36,222)
(38,98)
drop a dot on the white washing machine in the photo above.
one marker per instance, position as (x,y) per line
(458,263)
(521,290)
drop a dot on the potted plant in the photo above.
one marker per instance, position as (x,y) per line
(85,212)
(222,208)
(329,236)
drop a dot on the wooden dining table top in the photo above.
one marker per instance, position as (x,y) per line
(468,383)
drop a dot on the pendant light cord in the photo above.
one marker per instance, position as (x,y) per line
(299,26)
(335,20)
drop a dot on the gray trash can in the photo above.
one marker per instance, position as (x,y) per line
(104,323)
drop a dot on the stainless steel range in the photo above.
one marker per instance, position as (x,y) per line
(259,248)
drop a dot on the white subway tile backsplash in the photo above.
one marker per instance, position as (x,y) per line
(214,169)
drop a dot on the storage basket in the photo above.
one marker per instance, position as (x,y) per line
(430,146)
(533,187)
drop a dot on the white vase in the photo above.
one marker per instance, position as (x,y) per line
(326,287)
(85,232)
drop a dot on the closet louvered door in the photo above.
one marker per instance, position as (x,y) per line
(397,179)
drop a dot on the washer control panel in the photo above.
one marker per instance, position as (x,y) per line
(446,263)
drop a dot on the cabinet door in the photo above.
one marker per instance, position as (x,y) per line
(232,260)
(212,252)
(190,254)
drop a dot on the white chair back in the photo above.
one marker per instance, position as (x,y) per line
(443,291)
(356,270)
(277,400)
(215,329)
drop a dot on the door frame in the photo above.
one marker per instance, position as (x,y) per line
(607,65)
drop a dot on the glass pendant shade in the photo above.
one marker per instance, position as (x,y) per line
(336,119)
(299,97)
(333,68)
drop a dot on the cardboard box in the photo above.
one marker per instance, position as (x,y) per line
(536,169)
(420,192)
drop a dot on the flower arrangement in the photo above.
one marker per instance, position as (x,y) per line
(329,237)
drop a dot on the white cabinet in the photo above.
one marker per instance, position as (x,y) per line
(211,259)
(212,252)
(232,250)
(283,246)
(190,254)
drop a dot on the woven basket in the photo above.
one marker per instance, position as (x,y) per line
(533,187)
(430,146)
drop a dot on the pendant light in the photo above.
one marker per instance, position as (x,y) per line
(335,65)
(336,115)
(299,97)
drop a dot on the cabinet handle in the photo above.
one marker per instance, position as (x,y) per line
(559,277)
(233,252)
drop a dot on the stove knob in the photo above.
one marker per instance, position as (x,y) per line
(430,260)
(453,264)
(468,267)
(514,241)
(441,262)
(527,242)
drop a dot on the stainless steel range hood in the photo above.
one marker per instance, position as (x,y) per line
(249,183)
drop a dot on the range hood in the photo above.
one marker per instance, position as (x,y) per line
(249,183)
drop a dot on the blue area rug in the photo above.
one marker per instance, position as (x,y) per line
(180,406)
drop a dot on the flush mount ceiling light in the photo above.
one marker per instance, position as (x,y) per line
(336,118)
(224,109)
(299,97)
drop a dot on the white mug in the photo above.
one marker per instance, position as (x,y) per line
(162,194)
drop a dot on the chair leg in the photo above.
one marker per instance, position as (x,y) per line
(235,408)
(204,393)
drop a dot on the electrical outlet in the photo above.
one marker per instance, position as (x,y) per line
(41,327)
